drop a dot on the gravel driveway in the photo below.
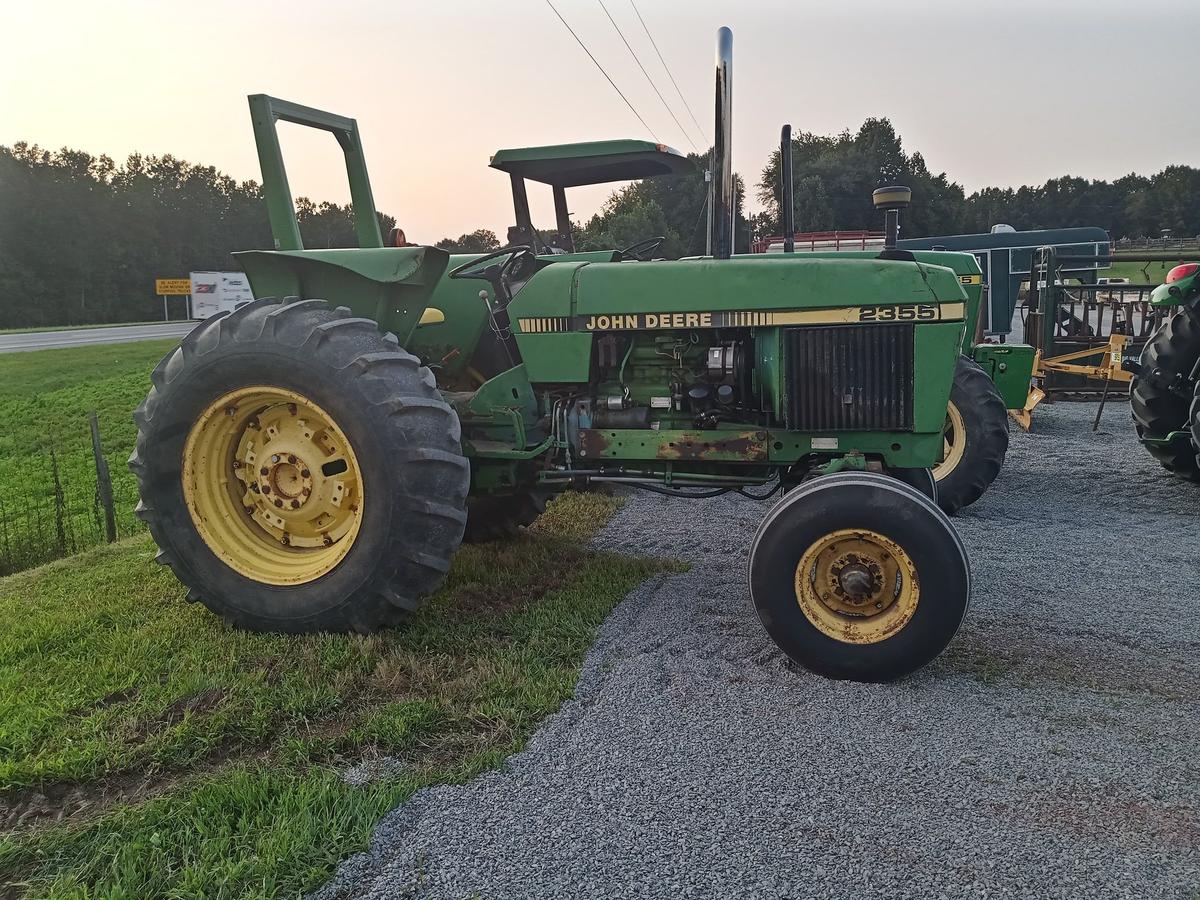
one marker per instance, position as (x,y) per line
(1052,751)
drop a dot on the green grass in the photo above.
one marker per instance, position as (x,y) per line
(1154,272)
(192,760)
(44,400)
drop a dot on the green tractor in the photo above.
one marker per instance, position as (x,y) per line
(310,463)
(1164,396)
(989,378)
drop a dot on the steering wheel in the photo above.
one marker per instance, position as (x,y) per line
(485,269)
(642,249)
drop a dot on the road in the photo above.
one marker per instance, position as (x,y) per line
(116,334)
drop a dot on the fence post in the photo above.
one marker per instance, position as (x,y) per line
(103,480)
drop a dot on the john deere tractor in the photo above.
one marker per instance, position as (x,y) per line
(1164,396)
(310,463)
(989,378)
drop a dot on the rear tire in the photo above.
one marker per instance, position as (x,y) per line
(1159,411)
(378,415)
(920,479)
(917,580)
(976,438)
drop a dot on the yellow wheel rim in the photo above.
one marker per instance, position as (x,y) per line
(954,443)
(272,485)
(857,587)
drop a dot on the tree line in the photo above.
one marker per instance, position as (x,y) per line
(82,238)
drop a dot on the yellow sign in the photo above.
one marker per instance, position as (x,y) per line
(172,287)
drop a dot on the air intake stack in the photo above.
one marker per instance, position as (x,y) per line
(891,200)
(722,162)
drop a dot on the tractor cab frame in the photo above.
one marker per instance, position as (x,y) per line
(573,165)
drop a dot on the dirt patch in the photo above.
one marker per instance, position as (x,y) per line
(79,801)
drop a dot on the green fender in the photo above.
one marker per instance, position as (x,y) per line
(391,285)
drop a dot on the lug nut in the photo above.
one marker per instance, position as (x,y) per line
(275,458)
(266,489)
(304,473)
(292,408)
(264,471)
(295,504)
(291,459)
(278,502)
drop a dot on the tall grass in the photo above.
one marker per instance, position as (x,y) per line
(48,503)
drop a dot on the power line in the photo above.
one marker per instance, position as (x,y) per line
(602,72)
(671,112)
(665,66)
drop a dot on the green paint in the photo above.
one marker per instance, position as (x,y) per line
(1010,367)
(935,348)
(391,285)
(593,162)
(264,113)
(1176,293)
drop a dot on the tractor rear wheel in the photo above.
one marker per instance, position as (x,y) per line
(502,517)
(975,438)
(921,479)
(1159,405)
(299,471)
(857,576)
(1195,423)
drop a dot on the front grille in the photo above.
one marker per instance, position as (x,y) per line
(849,377)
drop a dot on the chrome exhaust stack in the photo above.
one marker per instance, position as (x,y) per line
(722,162)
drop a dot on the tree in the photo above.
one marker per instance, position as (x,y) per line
(669,206)
(833,177)
(82,238)
(481,240)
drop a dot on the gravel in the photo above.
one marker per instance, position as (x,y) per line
(1050,752)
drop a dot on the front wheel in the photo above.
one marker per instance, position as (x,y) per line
(299,471)
(856,576)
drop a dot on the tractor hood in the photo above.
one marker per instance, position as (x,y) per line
(391,285)
(764,284)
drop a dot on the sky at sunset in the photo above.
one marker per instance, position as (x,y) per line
(993,93)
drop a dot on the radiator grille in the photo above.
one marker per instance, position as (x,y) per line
(849,377)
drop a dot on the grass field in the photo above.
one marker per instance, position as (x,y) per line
(44,400)
(1139,273)
(146,750)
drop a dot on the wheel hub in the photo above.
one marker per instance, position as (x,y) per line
(292,507)
(857,586)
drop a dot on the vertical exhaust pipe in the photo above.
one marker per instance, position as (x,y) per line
(786,201)
(723,204)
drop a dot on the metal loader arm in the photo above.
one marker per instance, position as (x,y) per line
(265,111)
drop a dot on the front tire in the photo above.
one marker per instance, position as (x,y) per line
(299,471)
(975,438)
(856,576)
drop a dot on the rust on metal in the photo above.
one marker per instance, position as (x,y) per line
(638,443)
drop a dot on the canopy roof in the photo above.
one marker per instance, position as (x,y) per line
(594,162)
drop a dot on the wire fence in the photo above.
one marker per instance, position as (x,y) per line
(63,500)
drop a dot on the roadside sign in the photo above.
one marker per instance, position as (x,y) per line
(172,287)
